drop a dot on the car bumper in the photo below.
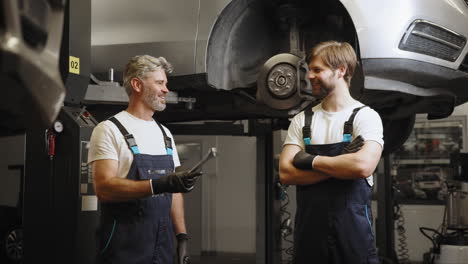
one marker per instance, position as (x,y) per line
(381,26)
(413,86)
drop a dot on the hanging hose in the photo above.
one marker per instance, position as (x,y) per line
(402,252)
(402,246)
(285,227)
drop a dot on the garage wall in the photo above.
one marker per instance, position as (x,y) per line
(228,204)
(236,188)
(155,27)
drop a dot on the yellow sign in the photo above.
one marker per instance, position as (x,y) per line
(74,65)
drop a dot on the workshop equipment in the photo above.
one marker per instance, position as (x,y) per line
(450,244)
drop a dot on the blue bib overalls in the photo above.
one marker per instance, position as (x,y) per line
(333,218)
(140,230)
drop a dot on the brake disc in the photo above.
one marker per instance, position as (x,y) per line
(277,82)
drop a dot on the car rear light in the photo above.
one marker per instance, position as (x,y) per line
(464,64)
(430,39)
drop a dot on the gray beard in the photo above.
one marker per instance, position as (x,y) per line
(153,102)
(158,106)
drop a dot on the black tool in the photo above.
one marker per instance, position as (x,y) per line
(211,154)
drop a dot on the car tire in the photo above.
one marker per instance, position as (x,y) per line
(12,245)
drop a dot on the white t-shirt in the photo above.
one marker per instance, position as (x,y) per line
(327,127)
(107,142)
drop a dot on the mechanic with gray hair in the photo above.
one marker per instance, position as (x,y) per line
(133,159)
(330,153)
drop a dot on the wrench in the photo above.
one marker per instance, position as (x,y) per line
(211,154)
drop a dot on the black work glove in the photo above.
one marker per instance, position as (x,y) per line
(303,160)
(182,251)
(354,146)
(177,182)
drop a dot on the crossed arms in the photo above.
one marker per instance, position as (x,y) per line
(360,164)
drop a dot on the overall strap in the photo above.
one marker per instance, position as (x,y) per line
(348,125)
(306,132)
(128,137)
(167,139)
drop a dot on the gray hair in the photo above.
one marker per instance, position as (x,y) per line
(139,66)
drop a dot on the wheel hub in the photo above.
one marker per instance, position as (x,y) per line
(282,80)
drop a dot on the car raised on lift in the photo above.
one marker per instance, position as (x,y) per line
(244,58)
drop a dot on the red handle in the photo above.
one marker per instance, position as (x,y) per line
(51,143)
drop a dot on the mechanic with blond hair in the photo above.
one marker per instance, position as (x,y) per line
(330,153)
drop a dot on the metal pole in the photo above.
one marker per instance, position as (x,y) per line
(268,215)
(385,223)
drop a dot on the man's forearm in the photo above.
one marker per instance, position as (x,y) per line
(360,164)
(119,189)
(342,167)
(294,176)
(177,213)
(347,166)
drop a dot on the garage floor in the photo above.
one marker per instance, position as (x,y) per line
(230,258)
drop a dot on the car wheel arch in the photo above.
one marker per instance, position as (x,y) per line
(245,35)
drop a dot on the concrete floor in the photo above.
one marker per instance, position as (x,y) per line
(227,258)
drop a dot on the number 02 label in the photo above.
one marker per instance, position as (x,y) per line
(74,65)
